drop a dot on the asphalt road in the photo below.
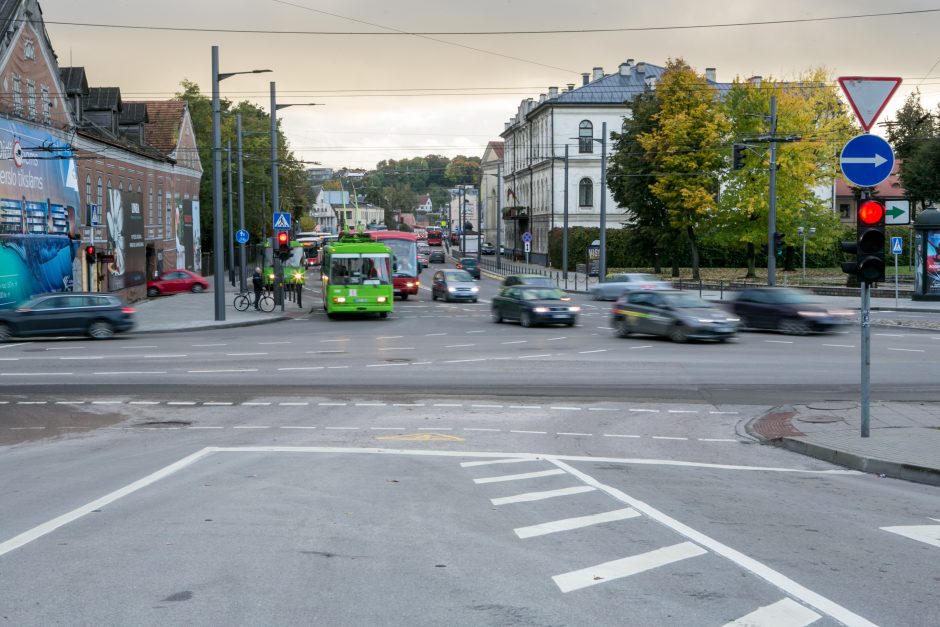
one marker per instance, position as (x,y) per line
(437,468)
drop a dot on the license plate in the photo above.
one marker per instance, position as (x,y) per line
(362,300)
(723,329)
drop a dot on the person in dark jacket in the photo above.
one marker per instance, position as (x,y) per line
(257,282)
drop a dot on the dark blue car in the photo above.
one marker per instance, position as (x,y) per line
(99,316)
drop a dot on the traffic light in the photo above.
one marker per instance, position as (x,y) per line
(737,156)
(778,243)
(283,243)
(90,253)
(870,231)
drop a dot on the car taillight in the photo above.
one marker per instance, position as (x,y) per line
(128,310)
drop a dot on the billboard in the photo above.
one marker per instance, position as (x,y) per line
(126,239)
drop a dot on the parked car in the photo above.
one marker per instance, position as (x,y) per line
(177,281)
(673,314)
(528,279)
(67,313)
(531,305)
(488,249)
(617,284)
(437,256)
(470,265)
(786,310)
(454,285)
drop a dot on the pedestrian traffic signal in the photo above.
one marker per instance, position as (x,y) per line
(778,243)
(737,156)
(870,231)
(90,254)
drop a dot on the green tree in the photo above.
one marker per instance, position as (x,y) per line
(463,170)
(912,127)
(684,149)
(921,176)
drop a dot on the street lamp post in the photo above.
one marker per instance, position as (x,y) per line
(217,239)
(231,222)
(242,279)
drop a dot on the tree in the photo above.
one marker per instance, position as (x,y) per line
(912,127)
(463,170)
(684,149)
(921,175)
(629,174)
(809,111)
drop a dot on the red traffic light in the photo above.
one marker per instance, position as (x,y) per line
(90,251)
(871,212)
(282,238)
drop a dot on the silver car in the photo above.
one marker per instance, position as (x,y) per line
(617,284)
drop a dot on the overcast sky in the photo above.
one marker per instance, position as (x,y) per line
(402,111)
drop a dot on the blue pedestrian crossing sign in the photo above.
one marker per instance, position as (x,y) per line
(895,245)
(866,160)
(282,222)
(241,236)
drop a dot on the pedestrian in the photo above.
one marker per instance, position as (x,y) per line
(257,282)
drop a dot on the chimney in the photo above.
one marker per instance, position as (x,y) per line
(506,125)
(626,68)
(755,80)
(711,75)
(541,98)
(570,86)
(585,78)
(641,67)
(598,74)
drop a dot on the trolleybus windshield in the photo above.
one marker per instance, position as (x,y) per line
(359,269)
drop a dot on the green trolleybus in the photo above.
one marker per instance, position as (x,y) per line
(356,273)
(293,267)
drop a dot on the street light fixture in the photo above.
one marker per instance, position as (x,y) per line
(217,238)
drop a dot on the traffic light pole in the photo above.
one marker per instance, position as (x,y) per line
(772,205)
(866,358)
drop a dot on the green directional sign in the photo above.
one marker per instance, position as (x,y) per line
(897,212)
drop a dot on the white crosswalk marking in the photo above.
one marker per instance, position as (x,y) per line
(785,613)
(538,496)
(616,569)
(514,460)
(568,524)
(526,475)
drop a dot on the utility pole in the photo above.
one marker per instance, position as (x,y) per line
(772,207)
(499,215)
(564,231)
(602,269)
(231,221)
(275,203)
(218,270)
(243,282)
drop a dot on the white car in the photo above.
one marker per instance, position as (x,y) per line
(617,284)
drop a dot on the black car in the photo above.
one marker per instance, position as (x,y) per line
(454,285)
(488,249)
(673,314)
(470,265)
(67,313)
(532,305)
(786,310)
(528,279)
(437,256)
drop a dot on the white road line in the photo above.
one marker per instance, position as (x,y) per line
(324,352)
(106,402)
(468,332)
(488,462)
(336,367)
(206,345)
(766,573)
(398,348)
(390,337)
(462,361)
(531,356)
(908,350)
(407,404)
(217,403)
(342,428)
(646,411)
(606,328)
(118,372)
(553,339)
(563,408)
(573,433)
(578,522)
(600,350)
(723,412)
(387,428)
(31,402)
(56,348)
(384,365)
(519,477)
(539,496)
(840,345)
(487,406)
(783,613)
(525,407)
(22,343)
(515,342)
(345,339)
(421,363)
(181,402)
(297,427)
(60,402)
(251,427)
(716,440)
(370,405)
(162,356)
(888,334)
(617,435)
(479,429)
(256,404)
(460,345)
(434,334)
(529,432)
(99,357)
(34,374)
(137,346)
(11,358)
(603,409)
(778,341)
(245,354)
(332,404)
(616,569)
(633,348)
(667,437)
(271,343)
(218,371)
(301,368)
(288,404)
(682,411)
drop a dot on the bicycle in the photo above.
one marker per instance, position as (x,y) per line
(244,300)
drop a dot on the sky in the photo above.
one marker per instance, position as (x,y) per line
(388,95)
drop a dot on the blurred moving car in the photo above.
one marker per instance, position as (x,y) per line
(528,279)
(422,261)
(488,249)
(437,256)
(531,305)
(67,313)
(177,281)
(617,284)
(470,265)
(787,310)
(454,285)
(673,314)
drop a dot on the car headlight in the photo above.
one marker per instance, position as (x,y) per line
(339,299)
(451,289)
(409,284)
(271,276)
(840,312)
(474,289)
(732,319)
(541,310)
(381,299)
(812,314)
(574,309)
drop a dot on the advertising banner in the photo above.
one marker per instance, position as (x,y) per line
(126,239)
(932,278)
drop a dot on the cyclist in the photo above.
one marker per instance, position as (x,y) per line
(257,282)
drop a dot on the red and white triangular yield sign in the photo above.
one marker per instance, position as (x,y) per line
(868,95)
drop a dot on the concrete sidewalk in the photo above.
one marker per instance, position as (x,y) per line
(904,440)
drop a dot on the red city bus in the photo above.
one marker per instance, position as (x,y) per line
(404,247)
(434,236)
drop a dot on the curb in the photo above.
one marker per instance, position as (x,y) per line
(895,470)
(212,327)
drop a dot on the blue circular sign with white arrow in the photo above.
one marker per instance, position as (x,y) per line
(866,160)
(241,236)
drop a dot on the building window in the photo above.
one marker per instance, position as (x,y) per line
(46,104)
(31,98)
(110,188)
(150,206)
(843,211)
(17,96)
(100,197)
(585,193)
(159,203)
(169,217)
(88,189)
(586,137)
(29,50)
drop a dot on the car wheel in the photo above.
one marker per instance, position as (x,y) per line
(4,332)
(152,291)
(433,295)
(623,328)
(794,326)
(473,301)
(383,314)
(525,319)
(196,288)
(679,334)
(570,324)
(100,330)
(404,296)
(496,316)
